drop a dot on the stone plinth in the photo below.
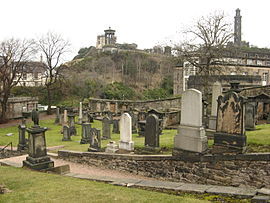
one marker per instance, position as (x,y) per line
(191,134)
(22,141)
(111,147)
(95,140)
(37,158)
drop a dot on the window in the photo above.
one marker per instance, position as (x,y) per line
(24,76)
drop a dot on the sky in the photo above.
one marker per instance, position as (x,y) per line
(144,22)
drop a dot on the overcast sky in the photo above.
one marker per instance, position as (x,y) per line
(144,22)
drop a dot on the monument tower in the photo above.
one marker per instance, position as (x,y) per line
(237,28)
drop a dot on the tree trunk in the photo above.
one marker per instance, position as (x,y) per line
(3,115)
(49,110)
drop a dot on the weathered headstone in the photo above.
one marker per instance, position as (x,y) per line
(37,158)
(134,118)
(57,118)
(80,114)
(22,141)
(66,133)
(116,126)
(152,131)
(85,133)
(191,134)
(71,124)
(250,119)
(95,140)
(65,119)
(230,136)
(106,128)
(111,147)
(216,92)
(126,142)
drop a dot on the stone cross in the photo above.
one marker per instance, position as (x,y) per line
(106,128)
(216,92)
(230,135)
(191,134)
(152,131)
(126,142)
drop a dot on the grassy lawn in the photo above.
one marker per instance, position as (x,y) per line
(260,137)
(30,186)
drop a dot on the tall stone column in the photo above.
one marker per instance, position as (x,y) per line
(80,114)
(216,92)
(22,141)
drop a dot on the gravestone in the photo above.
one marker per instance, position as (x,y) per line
(80,114)
(134,118)
(71,124)
(216,92)
(90,117)
(250,119)
(230,136)
(116,126)
(57,119)
(66,133)
(95,140)
(106,128)
(152,131)
(65,118)
(126,142)
(85,117)
(191,134)
(37,158)
(22,141)
(85,133)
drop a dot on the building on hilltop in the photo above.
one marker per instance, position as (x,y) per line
(108,39)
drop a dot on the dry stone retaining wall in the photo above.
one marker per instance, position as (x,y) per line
(251,170)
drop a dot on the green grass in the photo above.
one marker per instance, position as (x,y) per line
(259,137)
(30,186)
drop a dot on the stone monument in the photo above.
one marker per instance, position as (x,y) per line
(116,126)
(111,147)
(37,158)
(152,131)
(126,142)
(57,118)
(66,133)
(80,114)
(250,114)
(106,128)
(191,134)
(71,124)
(22,141)
(95,140)
(86,127)
(216,92)
(230,136)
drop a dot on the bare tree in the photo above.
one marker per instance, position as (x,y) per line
(14,54)
(53,46)
(206,44)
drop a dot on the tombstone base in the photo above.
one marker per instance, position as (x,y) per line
(129,146)
(191,139)
(212,122)
(151,150)
(229,143)
(91,149)
(183,153)
(250,128)
(38,163)
(85,141)
(111,147)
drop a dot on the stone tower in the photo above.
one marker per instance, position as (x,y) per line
(110,38)
(237,28)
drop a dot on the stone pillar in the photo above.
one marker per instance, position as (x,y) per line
(22,141)
(37,158)
(216,92)
(250,116)
(126,142)
(65,119)
(106,128)
(80,114)
(95,140)
(191,134)
(152,131)
(57,119)
(66,133)
(71,124)
(230,136)
(85,133)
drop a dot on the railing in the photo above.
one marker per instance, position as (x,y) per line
(7,146)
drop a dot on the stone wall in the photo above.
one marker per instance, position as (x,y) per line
(117,106)
(234,170)
(15,105)
(254,91)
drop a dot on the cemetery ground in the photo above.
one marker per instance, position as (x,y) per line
(258,140)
